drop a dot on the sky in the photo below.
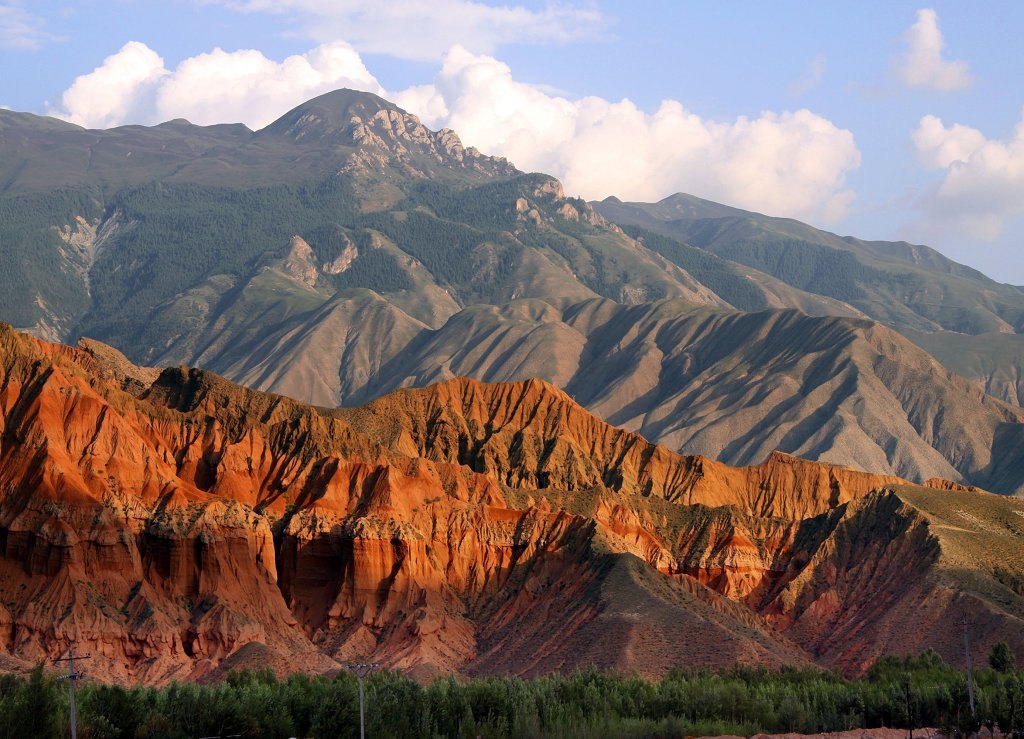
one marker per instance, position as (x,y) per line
(883,120)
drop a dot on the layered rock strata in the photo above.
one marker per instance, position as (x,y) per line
(174,524)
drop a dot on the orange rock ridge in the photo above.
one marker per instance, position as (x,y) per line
(164,522)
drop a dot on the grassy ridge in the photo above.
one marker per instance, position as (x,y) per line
(589,703)
(901,284)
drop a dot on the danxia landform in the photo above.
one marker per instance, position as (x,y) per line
(176,525)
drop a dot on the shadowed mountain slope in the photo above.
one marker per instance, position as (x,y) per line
(901,284)
(728,385)
(170,527)
(969,322)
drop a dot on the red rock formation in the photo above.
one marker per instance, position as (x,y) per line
(939,484)
(531,434)
(169,523)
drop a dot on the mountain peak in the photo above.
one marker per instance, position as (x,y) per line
(329,115)
(684,205)
(383,133)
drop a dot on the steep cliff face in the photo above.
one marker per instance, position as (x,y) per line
(734,386)
(167,523)
(104,542)
(533,435)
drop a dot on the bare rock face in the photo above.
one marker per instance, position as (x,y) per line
(533,435)
(391,134)
(344,260)
(298,264)
(175,525)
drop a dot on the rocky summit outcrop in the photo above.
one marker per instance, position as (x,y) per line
(175,524)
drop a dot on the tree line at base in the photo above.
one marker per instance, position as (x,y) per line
(918,691)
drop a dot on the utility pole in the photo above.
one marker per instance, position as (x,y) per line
(361,670)
(970,669)
(910,707)
(71,677)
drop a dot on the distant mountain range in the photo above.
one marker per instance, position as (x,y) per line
(346,250)
(968,321)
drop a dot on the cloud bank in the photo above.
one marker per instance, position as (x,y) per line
(922,65)
(789,163)
(134,86)
(423,31)
(982,182)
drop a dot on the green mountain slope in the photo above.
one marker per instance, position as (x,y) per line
(105,231)
(994,361)
(903,285)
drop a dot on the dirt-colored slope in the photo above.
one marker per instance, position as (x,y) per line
(620,614)
(462,528)
(732,386)
(727,385)
(905,564)
(532,435)
(341,345)
(737,386)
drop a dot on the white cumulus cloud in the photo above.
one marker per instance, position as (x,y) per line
(938,146)
(247,86)
(922,65)
(412,29)
(790,163)
(783,163)
(982,183)
(119,90)
(134,86)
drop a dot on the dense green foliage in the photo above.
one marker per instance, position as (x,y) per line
(817,269)
(172,237)
(487,206)
(1001,658)
(162,240)
(175,235)
(374,269)
(35,260)
(584,704)
(705,267)
(444,247)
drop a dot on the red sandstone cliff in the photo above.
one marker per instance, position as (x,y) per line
(168,521)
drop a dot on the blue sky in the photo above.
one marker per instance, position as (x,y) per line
(883,120)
